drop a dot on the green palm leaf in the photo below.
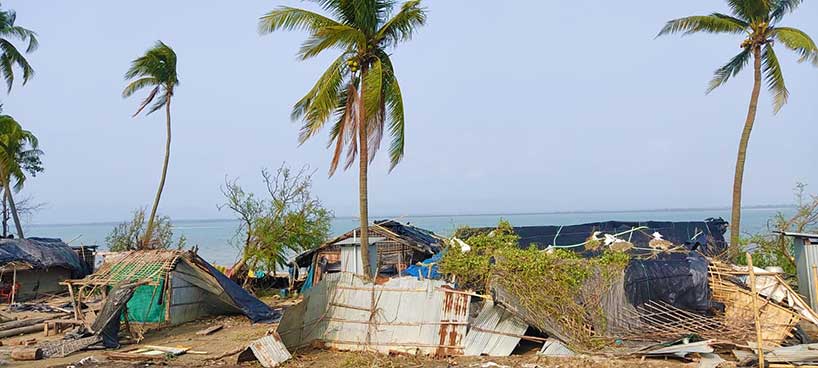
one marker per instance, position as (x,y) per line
(289,19)
(397,126)
(316,107)
(774,78)
(798,41)
(139,84)
(730,69)
(401,27)
(341,36)
(706,23)
(11,57)
(780,8)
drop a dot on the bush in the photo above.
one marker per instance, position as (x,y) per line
(127,235)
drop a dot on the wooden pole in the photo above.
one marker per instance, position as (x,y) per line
(13,287)
(759,340)
(814,285)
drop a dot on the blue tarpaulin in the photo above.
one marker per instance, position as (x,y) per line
(427,269)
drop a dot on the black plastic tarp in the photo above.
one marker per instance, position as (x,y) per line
(42,253)
(253,308)
(704,236)
(675,278)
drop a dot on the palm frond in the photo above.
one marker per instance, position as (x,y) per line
(730,69)
(160,102)
(401,26)
(798,41)
(158,62)
(373,80)
(14,58)
(750,9)
(344,128)
(780,8)
(332,36)
(147,100)
(139,84)
(7,70)
(288,18)
(22,34)
(740,22)
(774,77)
(368,14)
(394,106)
(706,23)
(316,107)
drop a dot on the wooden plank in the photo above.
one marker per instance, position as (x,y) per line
(132,357)
(209,330)
(759,340)
(27,354)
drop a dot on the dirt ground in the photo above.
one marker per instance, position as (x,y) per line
(238,332)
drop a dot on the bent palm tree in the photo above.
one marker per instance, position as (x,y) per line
(9,55)
(359,90)
(758,21)
(156,69)
(19,153)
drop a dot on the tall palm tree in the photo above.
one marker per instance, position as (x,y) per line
(19,153)
(156,70)
(9,55)
(359,90)
(758,21)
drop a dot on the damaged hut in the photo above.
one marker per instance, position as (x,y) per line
(174,287)
(37,266)
(393,247)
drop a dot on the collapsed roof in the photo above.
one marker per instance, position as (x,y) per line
(40,254)
(153,266)
(415,237)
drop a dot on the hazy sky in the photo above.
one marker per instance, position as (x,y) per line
(511,106)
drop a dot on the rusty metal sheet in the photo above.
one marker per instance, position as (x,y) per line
(404,314)
(270,351)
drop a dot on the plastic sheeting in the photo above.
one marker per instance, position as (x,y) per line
(253,308)
(704,236)
(676,278)
(42,253)
(424,271)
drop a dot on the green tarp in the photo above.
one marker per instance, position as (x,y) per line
(147,304)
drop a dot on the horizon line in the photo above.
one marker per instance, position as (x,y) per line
(531,213)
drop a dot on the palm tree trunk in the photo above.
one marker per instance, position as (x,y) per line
(5,216)
(363,165)
(14,214)
(149,230)
(735,220)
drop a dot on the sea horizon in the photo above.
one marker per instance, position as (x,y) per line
(216,240)
(452,214)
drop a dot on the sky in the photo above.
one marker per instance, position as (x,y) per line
(511,106)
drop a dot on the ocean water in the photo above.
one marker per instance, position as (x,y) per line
(215,238)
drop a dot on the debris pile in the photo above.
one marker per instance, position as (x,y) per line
(630,293)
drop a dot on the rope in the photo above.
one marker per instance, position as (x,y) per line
(586,242)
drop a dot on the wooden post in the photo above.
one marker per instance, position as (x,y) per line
(13,286)
(759,340)
(27,354)
(814,284)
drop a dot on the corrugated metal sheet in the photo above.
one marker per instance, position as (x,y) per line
(404,314)
(806,262)
(494,332)
(270,351)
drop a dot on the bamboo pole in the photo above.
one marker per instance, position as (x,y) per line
(814,283)
(759,341)
(13,287)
